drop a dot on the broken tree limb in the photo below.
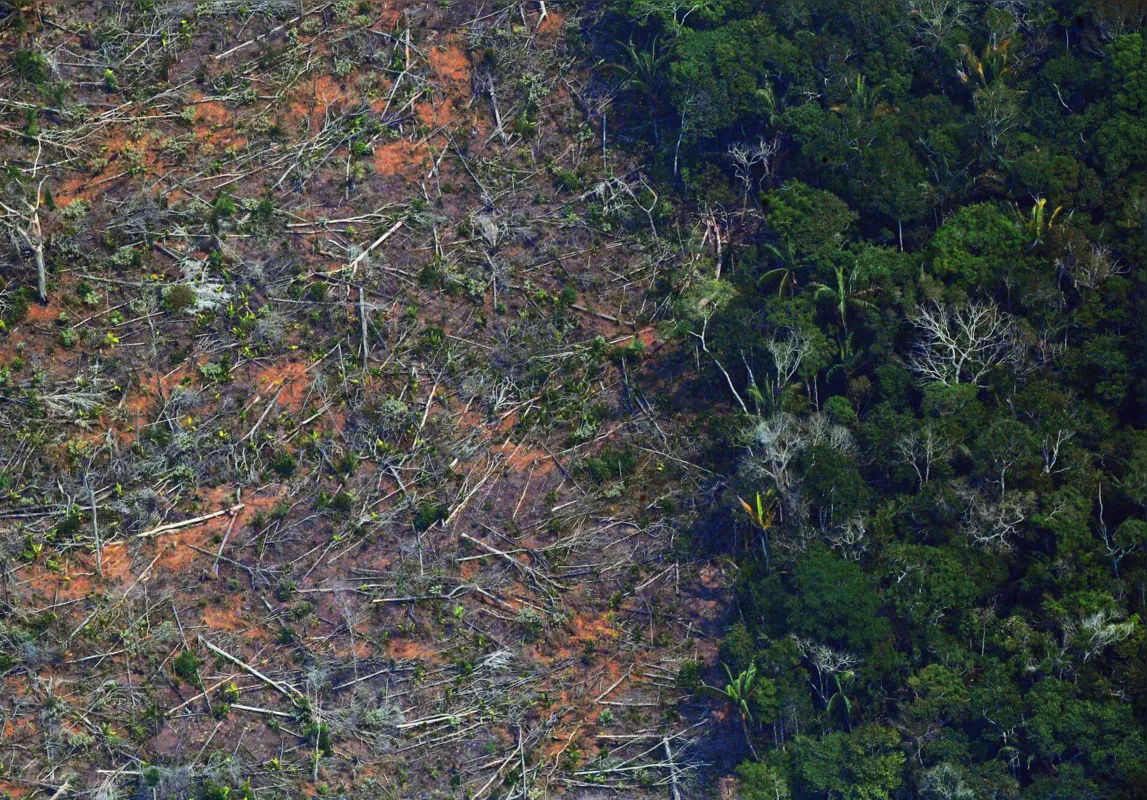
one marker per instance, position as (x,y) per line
(523,567)
(613,686)
(390,232)
(606,317)
(174,526)
(291,694)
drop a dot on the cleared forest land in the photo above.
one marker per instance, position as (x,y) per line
(332,460)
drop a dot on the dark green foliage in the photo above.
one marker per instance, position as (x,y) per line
(950,230)
(186,667)
(210,790)
(833,601)
(864,765)
(179,298)
(610,464)
(30,65)
(284,465)
(429,514)
(319,737)
(689,677)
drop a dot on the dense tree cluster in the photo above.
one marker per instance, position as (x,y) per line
(925,311)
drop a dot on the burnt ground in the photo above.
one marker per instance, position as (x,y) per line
(338,461)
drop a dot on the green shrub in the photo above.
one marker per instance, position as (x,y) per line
(186,667)
(179,298)
(689,677)
(611,464)
(428,515)
(30,66)
(284,465)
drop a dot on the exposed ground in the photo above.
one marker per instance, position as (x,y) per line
(362,289)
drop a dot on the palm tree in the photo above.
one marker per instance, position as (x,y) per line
(989,66)
(738,693)
(844,295)
(842,700)
(786,273)
(1038,222)
(644,75)
(762,516)
(862,98)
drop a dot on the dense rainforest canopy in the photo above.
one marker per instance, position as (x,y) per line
(922,322)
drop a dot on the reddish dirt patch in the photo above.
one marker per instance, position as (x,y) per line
(409,650)
(226,615)
(314,98)
(291,378)
(387,20)
(592,627)
(400,158)
(42,315)
(553,22)
(211,112)
(520,458)
(450,63)
(434,114)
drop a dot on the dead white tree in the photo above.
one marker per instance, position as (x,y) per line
(774,444)
(936,20)
(21,218)
(620,192)
(994,524)
(963,345)
(1053,444)
(823,431)
(1089,267)
(921,450)
(849,539)
(788,349)
(827,662)
(1103,629)
(748,158)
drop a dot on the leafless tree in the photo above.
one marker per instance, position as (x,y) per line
(822,431)
(963,345)
(775,442)
(1089,267)
(995,523)
(773,445)
(935,20)
(921,449)
(788,348)
(747,158)
(827,662)
(1053,444)
(1095,632)
(849,538)
(998,112)
(21,217)
(618,193)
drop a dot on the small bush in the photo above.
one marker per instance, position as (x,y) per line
(214,791)
(319,736)
(30,65)
(284,465)
(689,676)
(611,464)
(179,298)
(428,515)
(186,667)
